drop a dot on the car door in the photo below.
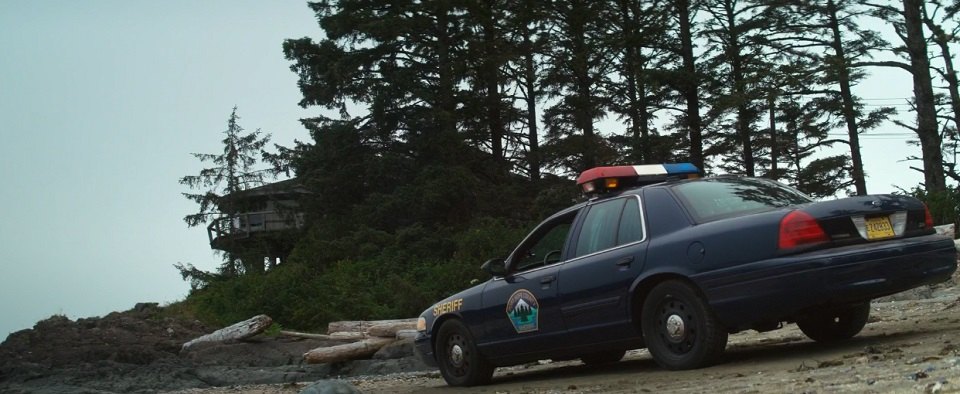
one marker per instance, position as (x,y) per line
(521,311)
(607,256)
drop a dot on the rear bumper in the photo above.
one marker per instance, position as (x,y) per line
(782,288)
(424,350)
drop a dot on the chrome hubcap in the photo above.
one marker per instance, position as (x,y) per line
(456,355)
(675,328)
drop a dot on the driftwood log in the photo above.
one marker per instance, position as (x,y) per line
(407,334)
(364,326)
(347,351)
(238,331)
(388,330)
(337,336)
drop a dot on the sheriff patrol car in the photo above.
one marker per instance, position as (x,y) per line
(662,259)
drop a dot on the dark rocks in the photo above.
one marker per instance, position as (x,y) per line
(399,349)
(330,387)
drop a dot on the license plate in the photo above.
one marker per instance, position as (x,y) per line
(878,228)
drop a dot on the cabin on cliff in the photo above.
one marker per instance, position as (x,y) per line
(265,219)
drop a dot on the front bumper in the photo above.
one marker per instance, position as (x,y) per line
(782,288)
(424,349)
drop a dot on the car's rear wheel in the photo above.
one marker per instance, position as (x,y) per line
(679,329)
(603,357)
(460,362)
(835,324)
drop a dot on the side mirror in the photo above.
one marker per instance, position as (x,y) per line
(495,267)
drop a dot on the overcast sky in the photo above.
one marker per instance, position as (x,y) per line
(101,103)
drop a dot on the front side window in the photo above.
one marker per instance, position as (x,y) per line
(545,245)
(715,198)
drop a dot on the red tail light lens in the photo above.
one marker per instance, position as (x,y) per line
(927,218)
(798,228)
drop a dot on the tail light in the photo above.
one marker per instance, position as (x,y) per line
(927,218)
(798,228)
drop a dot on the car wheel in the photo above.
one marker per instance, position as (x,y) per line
(460,362)
(679,329)
(835,324)
(603,357)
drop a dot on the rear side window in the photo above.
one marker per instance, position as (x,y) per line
(716,198)
(631,229)
(599,230)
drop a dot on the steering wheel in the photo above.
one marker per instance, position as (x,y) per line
(546,258)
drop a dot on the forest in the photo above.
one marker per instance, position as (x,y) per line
(446,129)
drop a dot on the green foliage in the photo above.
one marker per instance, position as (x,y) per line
(944,206)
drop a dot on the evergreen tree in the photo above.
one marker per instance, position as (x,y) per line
(234,170)
(907,20)
(638,90)
(576,70)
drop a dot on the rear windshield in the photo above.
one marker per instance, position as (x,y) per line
(715,198)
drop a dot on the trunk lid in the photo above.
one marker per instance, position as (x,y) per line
(870,218)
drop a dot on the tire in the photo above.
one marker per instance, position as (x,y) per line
(835,324)
(603,358)
(457,356)
(680,330)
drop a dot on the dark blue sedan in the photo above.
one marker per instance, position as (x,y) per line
(674,265)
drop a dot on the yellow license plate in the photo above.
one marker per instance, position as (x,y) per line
(878,228)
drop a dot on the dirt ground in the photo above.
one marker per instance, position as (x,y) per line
(911,344)
(907,346)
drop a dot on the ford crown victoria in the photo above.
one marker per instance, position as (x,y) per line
(674,265)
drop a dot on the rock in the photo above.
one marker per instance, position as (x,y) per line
(330,387)
(146,306)
(399,349)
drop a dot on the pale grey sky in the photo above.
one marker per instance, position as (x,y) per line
(101,103)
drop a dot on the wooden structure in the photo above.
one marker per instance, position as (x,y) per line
(265,218)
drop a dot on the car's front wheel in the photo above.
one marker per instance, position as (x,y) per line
(460,362)
(679,329)
(835,324)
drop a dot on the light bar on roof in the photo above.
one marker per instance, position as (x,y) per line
(606,179)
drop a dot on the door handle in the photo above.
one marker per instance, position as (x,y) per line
(547,279)
(625,262)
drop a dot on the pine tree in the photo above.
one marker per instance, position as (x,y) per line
(234,169)
(907,20)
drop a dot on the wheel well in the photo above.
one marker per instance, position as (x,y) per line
(436,329)
(643,289)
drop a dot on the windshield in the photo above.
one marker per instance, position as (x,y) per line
(716,198)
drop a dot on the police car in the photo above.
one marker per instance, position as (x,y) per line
(662,259)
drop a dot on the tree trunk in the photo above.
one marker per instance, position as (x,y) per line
(930,141)
(631,73)
(690,85)
(580,66)
(364,326)
(530,84)
(337,336)
(491,80)
(744,118)
(238,331)
(389,330)
(774,143)
(347,351)
(846,95)
(942,40)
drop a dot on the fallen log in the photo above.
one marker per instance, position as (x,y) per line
(407,334)
(337,336)
(388,330)
(362,325)
(238,331)
(347,351)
